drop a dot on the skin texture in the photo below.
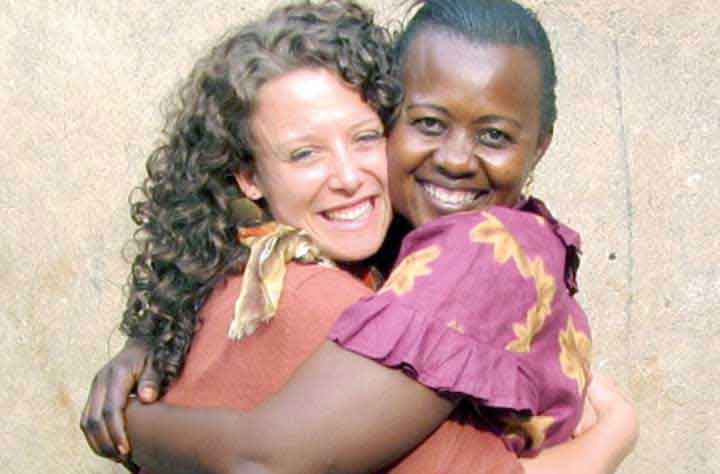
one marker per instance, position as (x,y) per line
(350,414)
(468,133)
(314,135)
(340,412)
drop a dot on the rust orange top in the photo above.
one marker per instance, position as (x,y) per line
(220,372)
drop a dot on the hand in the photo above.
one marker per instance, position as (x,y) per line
(103,419)
(587,420)
(606,399)
(613,413)
(604,437)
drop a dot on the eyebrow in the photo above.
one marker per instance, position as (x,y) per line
(421,105)
(495,118)
(367,121)
(312,134)
(483,119)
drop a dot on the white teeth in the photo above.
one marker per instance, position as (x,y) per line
(452,198)
(352,213)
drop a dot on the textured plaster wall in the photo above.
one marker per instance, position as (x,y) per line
(633,166)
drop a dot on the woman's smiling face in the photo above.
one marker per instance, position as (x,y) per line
(320,162)
(468,132)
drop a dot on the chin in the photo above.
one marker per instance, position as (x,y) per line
(344,257)
(419,219)
(356,253)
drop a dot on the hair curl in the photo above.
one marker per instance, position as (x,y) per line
(188,211)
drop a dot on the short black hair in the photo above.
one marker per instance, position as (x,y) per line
(503,22)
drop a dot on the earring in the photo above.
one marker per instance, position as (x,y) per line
(527,187)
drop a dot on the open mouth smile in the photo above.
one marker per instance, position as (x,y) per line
(446,199)
(352,213)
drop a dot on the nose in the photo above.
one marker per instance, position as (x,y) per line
(345,175)
(455,157)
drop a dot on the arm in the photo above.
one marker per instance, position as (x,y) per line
(103,420)
(603,446)
(339,412)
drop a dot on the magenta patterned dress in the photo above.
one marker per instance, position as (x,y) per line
(480,306)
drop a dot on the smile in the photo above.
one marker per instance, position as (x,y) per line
(453,199)
(351,213)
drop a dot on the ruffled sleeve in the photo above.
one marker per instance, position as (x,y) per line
(462,306)
(569,237)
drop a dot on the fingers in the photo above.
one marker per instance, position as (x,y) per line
(103,419)
(148,388)
(92,423)
(616,412)
(602,390)
(587,420)
(119,387)
(605,395)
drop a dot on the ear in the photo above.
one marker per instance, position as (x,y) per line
(543,144)
(247,182)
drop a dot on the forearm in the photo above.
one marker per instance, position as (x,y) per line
(339,413)
(599,450)
(175,440)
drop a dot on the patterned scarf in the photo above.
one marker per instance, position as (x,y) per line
(272,247)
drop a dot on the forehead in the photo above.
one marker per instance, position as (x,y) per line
(300,100)
(305,87)
(448,66)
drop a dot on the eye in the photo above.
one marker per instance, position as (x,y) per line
(301,154)
(494,138)
(429,126)
(370,136)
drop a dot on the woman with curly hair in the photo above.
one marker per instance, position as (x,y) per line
(277,111)
(285,113)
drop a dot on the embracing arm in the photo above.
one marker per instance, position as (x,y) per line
(603,446)
(102,421)
(265,441)
(340,412)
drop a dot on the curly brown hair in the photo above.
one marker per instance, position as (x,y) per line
(188,209)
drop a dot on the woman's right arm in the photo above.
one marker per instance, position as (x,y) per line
(600,449)
(340,412)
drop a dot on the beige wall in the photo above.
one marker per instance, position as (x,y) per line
(634,166)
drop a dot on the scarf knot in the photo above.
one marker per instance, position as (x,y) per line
(272,247)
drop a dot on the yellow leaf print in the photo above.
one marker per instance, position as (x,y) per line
(415,265)
(533,428)
(505,247)
(455,326)
(575,348)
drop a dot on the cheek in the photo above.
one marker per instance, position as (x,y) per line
(400,183)
(290,192)
(507,170)
(376,164)
(405,149)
